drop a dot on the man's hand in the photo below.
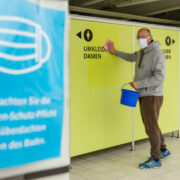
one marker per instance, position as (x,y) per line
(109,47)
(134,84)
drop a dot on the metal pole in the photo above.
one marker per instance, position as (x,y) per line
(133,109)
(178,136)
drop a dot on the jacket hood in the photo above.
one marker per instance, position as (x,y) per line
(152,46)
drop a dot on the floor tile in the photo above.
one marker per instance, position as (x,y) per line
(119,163)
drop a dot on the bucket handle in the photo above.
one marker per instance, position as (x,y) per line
(126,85)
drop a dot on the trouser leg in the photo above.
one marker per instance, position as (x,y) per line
(149,108)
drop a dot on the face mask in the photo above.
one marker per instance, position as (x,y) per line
(142,43)
(22,41)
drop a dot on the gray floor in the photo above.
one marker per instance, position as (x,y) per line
(121,164)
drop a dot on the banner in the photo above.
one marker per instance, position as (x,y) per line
(32,82)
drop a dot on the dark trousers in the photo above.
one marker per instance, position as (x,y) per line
(149,108)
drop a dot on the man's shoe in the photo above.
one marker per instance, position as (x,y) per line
(150,163)
(165,154)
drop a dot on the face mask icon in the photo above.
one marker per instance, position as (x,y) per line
(24,46)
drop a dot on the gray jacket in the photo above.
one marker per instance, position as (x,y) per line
(151,73)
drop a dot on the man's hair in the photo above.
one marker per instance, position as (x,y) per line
(149,32)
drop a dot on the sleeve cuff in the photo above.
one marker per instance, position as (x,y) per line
(140,85)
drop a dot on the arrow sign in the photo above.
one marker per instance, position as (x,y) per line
(173,41)
(169,41)
(79,34)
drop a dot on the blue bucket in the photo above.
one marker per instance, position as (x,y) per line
(128,97)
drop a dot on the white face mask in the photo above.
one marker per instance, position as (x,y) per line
(142,43)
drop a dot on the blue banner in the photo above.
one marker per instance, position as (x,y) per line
(32,82)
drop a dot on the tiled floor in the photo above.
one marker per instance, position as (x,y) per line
(121,164)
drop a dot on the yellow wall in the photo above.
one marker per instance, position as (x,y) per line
(98,120)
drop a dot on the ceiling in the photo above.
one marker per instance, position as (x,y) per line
(154,11)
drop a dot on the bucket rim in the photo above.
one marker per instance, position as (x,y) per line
(130,91)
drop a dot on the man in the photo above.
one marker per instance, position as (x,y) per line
(148,80)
